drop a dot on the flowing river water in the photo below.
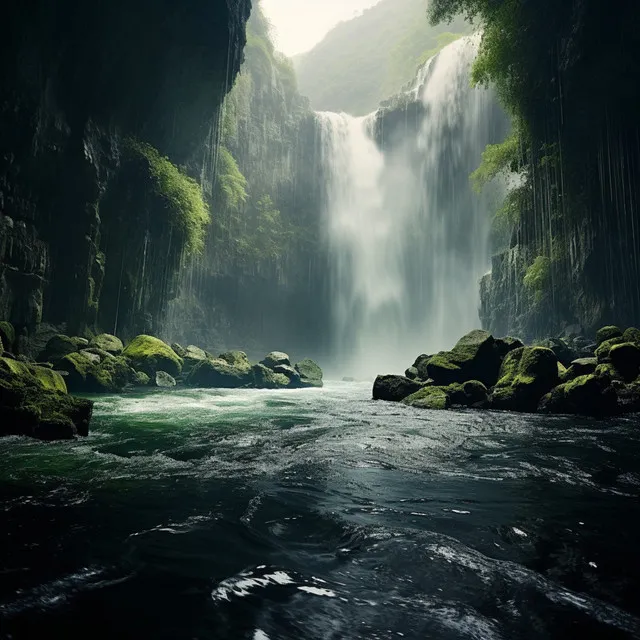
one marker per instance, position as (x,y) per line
(320,514)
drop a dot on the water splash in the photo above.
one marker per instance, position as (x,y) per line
(408,237)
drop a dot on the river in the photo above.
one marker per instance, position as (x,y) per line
(320,514)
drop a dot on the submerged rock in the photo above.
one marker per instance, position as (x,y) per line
(218,374)
(150,355)
(310,373)
(394,388)
(107,342)
(34,402)
(526,374)
(275,358)
(164,380)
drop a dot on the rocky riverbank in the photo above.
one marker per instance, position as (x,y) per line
(34,393)
(570,375)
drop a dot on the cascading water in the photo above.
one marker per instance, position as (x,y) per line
(408,237)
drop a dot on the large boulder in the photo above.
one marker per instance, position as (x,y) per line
(625,358)
(419,367)
(580,367)
(586,395)
(218,374)
(107,342)
(394,388)
(565,354)
(475,357)
(150,355)
(57,348)
(310,373)
(630,335)
(86,373)
(237,359)
(526,374)
(266,378)
(607,333)
(34,402)
(435,398)
(275,358)
(7,336)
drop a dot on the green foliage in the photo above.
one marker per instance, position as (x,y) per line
(233,185)
(537,279)
(182,195)
(498,159)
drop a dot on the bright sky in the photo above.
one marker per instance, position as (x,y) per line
(301,24)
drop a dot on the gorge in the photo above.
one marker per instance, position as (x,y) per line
(427,222)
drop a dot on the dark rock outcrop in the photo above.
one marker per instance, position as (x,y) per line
(394,388)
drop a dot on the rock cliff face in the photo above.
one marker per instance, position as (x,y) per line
(75,80)
(573,254)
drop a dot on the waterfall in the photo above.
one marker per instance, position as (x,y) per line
(407,236)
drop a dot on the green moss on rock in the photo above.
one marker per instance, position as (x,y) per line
(87,374)
(150,355)
(474,357)
(586,395)
(218,374)
(602,352)
(526,375)
(632,335)
(107,342)
(7,336)
(435,398)
(607,333)
(57,348)
(34,402)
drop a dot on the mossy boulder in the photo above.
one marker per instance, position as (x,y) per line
(526,374)
(33,375)
(218,374)
(287,370)
(237,359)
(581,367)
(586,395)
(420,367)
(625,358)
(471,393)
(608,333)
(107,342)
(412,373)
(632,335)
(394,388)
(34,402)
(85,374)
(436,398)
(7,336)
(57,348)
(607,371)
(192,356)
(310,373)
(603,351)
(103,355)
(475,357)
(150,355)
(140,379)
(266,378)
(565,354)
(506,345)
(179,350)
(275,358)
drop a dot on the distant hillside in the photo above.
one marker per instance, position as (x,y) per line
(368,59)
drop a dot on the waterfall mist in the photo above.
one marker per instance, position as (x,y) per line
(408,238)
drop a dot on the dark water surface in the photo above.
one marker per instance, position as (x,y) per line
(320,514)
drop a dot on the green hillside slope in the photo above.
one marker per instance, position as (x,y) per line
(368,59)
